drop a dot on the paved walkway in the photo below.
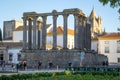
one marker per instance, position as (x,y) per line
(33,71)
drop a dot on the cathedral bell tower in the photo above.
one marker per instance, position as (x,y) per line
(96,24)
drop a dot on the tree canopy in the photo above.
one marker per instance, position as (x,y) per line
(118,29)
(113,3)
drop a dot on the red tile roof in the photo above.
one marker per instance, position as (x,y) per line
(20,28)
(110,36)
(11,44)
(60,31)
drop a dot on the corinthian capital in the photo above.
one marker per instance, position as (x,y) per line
(54,12)
(24,18)
(35,18)
(44,17)
(65,15)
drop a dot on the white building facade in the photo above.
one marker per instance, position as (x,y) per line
(109,45)
(94,44)
(10,52)
(14,55)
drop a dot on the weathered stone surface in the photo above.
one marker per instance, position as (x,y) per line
(61,58)
(44,32)
(54,31)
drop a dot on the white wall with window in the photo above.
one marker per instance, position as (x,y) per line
(118,46)
(94,45)
(18,36)
(110,47)
(14,55)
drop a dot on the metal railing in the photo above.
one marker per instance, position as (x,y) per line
(8,69)
(99,69)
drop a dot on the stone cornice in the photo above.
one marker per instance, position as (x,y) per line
(54,12)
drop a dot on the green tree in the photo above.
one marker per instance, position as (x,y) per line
(0,35)
(113,3)
(118,30)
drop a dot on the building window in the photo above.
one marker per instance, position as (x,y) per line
(106,49)
(10,57)
(118,60)
(118,49)
(19,57)
(118,46)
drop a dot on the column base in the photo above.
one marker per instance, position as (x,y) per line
(54,48)
(34,48)
(65,48)
(23,50)
(38,48)
(42,49)
(77,48)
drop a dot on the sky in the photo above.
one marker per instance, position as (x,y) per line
(14,9)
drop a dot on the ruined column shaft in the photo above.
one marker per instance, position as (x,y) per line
(80,34)
(88,36)
(54,32)
(30,35)
(84,32)
(75,31)
(65,32)
(39,34)
(24,33)
(44,32)
(38,39)
(34,32)
(85,36)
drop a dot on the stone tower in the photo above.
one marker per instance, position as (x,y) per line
(96,24)
(8,27)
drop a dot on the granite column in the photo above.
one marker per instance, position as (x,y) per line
(75,31)
(55,32)
(30,33)
(65,16)
(80,35)
(39,33)
(34,31)
(44,32)
(24,33)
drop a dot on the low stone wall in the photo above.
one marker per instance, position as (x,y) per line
(60,58)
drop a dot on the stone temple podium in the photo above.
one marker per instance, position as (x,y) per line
(34,50)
